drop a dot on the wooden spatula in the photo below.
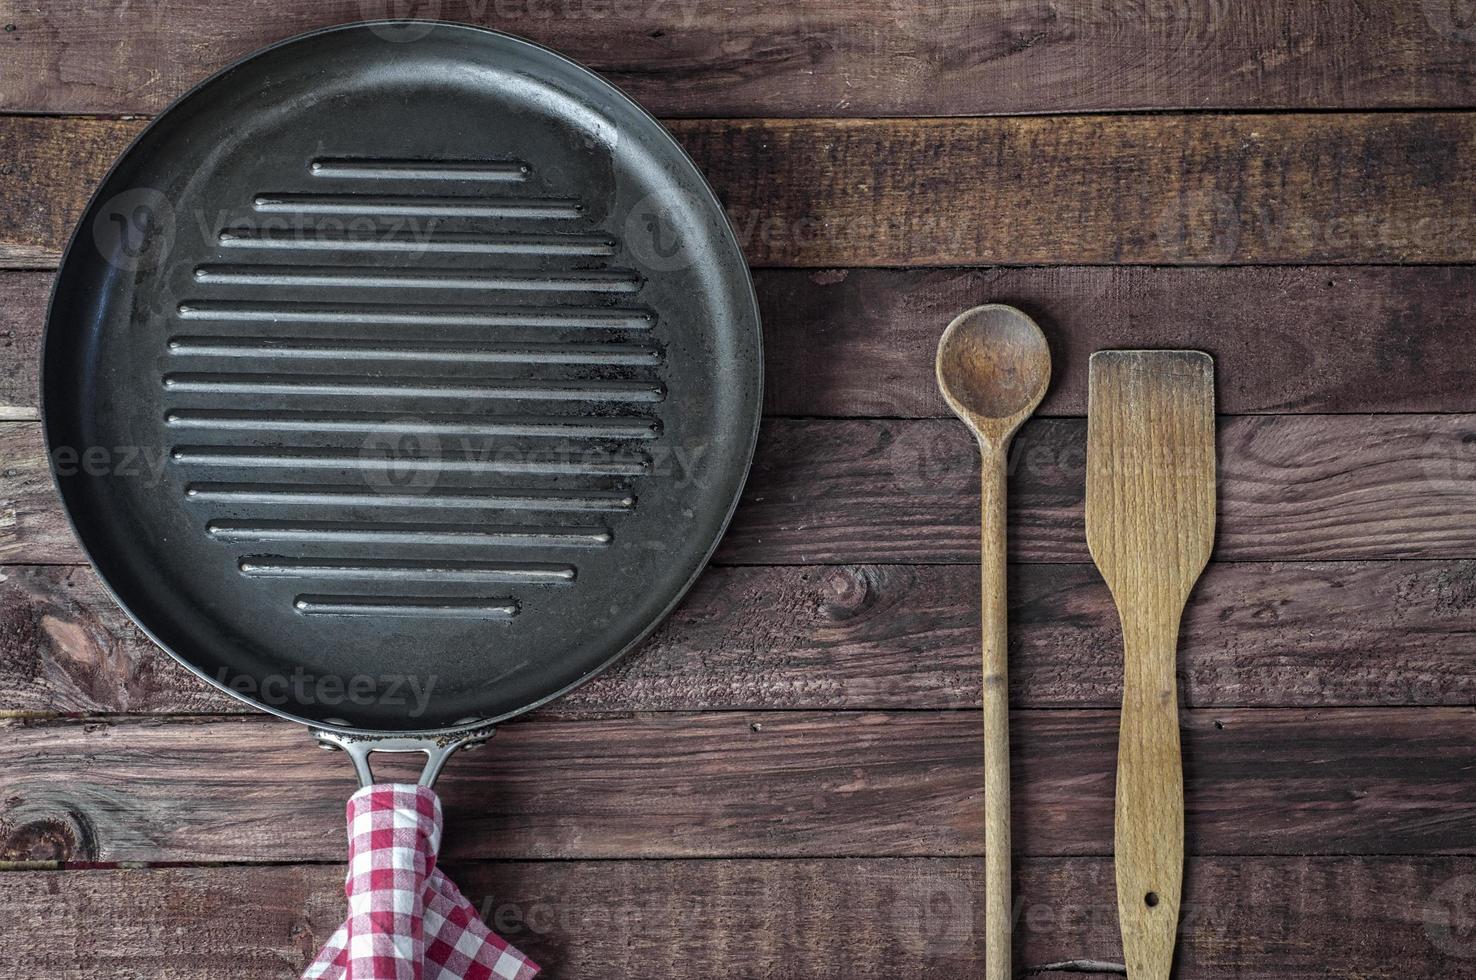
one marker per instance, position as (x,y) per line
(1150,523)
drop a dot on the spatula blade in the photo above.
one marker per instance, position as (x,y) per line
(1150,501)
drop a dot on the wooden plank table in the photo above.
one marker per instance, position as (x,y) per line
(785,781)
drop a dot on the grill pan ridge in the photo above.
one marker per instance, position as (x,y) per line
(443,364)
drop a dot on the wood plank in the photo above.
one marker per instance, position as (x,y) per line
(23,297)
(1245,918)
(869,57)
(725,784)
(1292,488)
(878,637)
(51,168)
(1178,190)
(1059,190)
(30,513)
(1360,339)
(1311,487)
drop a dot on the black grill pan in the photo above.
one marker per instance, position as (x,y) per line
(399,381)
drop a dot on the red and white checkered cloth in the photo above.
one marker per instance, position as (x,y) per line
(407,921)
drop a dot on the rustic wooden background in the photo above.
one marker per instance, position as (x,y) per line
(785,783)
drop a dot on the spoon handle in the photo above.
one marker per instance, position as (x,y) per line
(996,696)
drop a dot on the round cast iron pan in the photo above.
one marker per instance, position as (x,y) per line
(401,377)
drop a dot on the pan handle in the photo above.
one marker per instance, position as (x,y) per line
(436,748)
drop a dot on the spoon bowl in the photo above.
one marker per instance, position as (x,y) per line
(993,369)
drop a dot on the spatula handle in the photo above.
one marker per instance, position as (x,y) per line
(1149,829)
(992,570)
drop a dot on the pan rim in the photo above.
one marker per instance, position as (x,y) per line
(702,188)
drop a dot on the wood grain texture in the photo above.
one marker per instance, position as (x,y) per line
(872,57)
(1363,339)
(1358,339)
(22,319)
(1289,199)
(50,168)
(1250,918)
(1177,190)
(878,637)
(1292,488)
(1058,190)
(730,784)
(1150,524)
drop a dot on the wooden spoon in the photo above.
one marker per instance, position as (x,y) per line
(993,368)
(1150,523)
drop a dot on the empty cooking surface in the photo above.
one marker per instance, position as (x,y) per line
(472,399)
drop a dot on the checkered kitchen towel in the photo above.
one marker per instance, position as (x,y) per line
(407,921)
